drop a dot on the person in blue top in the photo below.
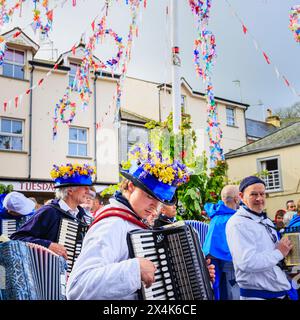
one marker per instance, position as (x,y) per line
(215,245)
(295,221)
(15,210)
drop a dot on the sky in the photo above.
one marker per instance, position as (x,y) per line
(240,72)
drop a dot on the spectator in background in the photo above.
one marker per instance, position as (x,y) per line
(278,221)
(295,221)
(215,245)
(88,205)
(17,209)
(290,211)
(37,205)
(97,205)
(166,216)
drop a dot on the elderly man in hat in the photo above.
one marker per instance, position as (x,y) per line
(15,210)
(103,269)
(255,249)
(72,184)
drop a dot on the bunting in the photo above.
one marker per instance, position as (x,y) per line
(295,27)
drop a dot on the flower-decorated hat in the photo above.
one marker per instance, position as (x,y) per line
(157,176)
(72,175)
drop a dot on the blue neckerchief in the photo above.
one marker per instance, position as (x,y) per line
(262,214)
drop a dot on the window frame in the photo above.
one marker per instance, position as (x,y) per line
(233,109)
(78,142)
(260,168)
(11,134)
(14,63)
(123,131)
(73,63)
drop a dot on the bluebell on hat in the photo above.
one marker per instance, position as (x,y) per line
(72,175)
(248,181)
(156,176)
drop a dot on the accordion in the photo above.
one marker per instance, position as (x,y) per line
(31,272)
(293,234)
(10,226)
(71,234)
(182,272)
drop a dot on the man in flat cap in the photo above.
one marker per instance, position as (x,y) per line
(255,249)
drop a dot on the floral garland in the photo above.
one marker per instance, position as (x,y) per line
(295,22)
(60,109)
(72,170)
(37,22)
(152,162)
(204,53)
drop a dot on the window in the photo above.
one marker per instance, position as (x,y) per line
(78,142)
(11,134)
(13,65)
(273,179)
(72,74)
(130,135)
(230,116)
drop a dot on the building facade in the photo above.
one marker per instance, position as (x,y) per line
(277,154)
(27,147)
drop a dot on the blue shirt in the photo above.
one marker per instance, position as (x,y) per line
(215,242)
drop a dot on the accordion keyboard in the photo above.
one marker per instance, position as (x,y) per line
(181,268)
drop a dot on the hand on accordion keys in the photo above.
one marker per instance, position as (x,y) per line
(284,246)
(148,269)
(59,249)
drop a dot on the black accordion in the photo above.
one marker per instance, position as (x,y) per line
(182,272)
(71,235)
(31,272)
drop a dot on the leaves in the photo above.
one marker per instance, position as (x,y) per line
(6,188)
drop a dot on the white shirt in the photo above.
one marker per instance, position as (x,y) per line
(254,254)
(103,269)
(65,207)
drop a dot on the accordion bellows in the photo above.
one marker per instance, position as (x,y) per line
(31,272)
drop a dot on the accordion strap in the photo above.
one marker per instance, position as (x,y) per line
(121,213)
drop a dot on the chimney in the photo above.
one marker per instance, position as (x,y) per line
(274,120)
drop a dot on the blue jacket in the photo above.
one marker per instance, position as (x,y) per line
(44,226)
(295,221)
(215,242)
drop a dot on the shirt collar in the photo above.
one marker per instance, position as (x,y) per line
(65,207)
(254,215)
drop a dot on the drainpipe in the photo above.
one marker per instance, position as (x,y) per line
(95,124)
(30,123)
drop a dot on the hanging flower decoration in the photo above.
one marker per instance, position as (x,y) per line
(2,49)
(64,104)
(204,53)
(6,14)
(295,22)
(37,23)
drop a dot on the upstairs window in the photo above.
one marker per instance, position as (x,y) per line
(183,103)
(72,74)
(13,65)
(230,117)
(11,134)
(273,179)
(78,143)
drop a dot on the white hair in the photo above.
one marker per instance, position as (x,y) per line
(62,193)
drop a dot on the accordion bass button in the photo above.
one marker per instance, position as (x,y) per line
(162,256)
(164,269)
(161,250)
(163,263)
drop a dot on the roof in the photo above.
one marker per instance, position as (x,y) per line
(197,93)
(133,117)
(259,129)
(281,138)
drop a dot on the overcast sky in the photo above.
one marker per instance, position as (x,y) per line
(240,72)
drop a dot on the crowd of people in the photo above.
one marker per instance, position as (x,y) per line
(244,249)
